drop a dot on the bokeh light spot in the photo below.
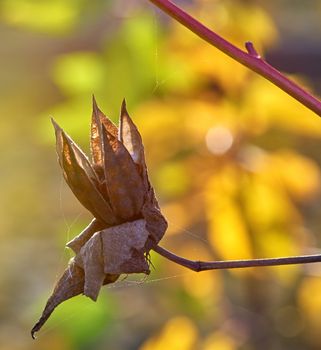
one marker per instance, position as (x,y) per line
(219,140)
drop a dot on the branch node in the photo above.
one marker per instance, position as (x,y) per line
(198,266)
(251,49)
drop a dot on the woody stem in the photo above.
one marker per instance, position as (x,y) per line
(249,58)
(234,264)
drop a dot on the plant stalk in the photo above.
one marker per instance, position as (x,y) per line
(198,266)
(250,59)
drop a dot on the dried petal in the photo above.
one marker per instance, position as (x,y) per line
(113,251)
(156,224)
(123,248)
(124,184)
(70,284)
(98,118)
(90,259)
(81,178)
(76,243)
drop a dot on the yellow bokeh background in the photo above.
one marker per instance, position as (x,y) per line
(235,163)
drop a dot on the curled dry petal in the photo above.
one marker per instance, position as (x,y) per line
(70,284)
(91,260)
(81,178)
(124,184)
(76,243)
(116,250)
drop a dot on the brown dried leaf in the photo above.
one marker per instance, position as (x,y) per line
(124,184)
(98,118)
(81,178)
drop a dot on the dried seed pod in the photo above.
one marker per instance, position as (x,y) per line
(115,189)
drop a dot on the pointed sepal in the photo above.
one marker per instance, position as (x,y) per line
(98,118)
(124,184)
(70,284)
(81,177)
(130,137)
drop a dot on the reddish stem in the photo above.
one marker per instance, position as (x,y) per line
(250,59)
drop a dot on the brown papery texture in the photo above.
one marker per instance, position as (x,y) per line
(115,188)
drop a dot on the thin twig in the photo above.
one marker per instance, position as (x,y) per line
(234,264)
(250,59)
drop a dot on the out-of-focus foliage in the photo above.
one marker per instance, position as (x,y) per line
(235,163)
(47,16)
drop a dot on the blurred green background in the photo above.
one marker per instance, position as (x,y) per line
(235,163)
